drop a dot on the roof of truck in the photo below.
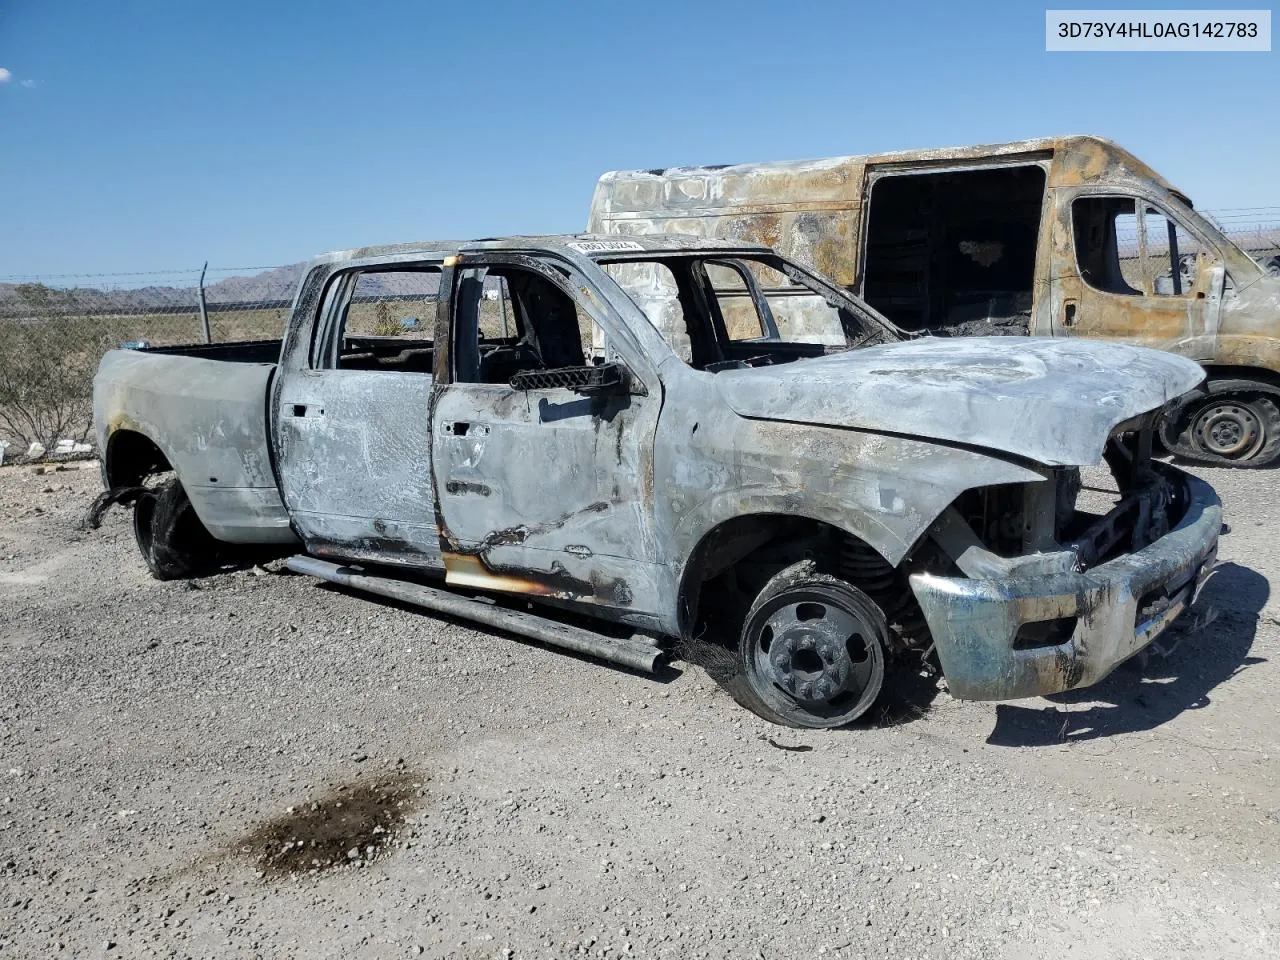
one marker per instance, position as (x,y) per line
(595,246)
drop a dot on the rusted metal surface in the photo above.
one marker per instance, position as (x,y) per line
(623,503)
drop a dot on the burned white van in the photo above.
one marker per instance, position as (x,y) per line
(1058,237)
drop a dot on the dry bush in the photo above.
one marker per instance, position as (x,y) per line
(46,380)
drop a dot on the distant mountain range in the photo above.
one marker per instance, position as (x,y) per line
(269,287)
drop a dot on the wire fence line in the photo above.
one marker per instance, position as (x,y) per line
(55,327)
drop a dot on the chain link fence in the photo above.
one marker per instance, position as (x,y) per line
(54,329)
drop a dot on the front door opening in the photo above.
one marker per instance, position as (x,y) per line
(954,253)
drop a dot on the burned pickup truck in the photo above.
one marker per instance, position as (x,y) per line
(827,497)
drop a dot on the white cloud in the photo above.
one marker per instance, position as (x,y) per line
(26,83)
(5,75)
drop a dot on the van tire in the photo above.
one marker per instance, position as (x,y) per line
(1227,425)
(173,542)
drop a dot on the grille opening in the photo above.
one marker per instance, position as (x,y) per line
(1044,633)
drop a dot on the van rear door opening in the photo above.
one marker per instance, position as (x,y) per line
(954,252)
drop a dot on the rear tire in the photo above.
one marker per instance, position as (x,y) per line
(172,540)
(812,651)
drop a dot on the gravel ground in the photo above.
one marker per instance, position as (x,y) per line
(182,765)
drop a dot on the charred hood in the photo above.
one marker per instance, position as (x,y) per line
(1051,401)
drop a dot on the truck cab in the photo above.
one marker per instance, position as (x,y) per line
(1069,237)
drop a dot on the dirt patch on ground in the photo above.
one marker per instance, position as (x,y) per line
(350,825)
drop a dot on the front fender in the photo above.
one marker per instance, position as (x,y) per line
(885,490)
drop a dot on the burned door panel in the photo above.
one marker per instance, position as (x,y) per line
(546,492)
(1123,269)
(355,468)
(543,491)
(353,423)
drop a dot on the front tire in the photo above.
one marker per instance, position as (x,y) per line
(1232,429)
(172,540)
(812,651)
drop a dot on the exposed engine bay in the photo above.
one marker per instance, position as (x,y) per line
(1074,520)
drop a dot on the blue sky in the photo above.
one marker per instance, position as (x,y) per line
(148,136)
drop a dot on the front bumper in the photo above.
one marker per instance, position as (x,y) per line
(1121,606)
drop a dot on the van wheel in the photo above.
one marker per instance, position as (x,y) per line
(812,651)
(171,538)
(1241,430)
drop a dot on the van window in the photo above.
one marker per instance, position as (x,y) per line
(1132,249)
(954,252)
(1171,256)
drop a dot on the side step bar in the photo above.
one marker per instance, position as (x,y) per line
(629,652)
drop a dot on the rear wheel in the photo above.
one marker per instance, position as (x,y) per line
(812,651)
(171,538)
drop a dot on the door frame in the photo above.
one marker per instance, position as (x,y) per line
(467,568)
(312,336)
(1198,344)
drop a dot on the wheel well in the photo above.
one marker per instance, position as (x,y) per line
(1259,375)
(733,561)
(131,457)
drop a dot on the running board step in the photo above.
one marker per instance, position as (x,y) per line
(630,652)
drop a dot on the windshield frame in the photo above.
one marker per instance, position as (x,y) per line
(1233,256)
(880,328)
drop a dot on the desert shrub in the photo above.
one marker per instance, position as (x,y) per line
(384,325)
(46,379)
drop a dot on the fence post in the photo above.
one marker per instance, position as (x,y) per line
(204,310)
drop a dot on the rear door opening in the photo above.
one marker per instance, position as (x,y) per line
(954,252)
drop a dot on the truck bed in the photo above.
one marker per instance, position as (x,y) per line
(205,406)
(236,351)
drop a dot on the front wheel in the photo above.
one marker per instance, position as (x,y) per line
(812,651)
(1232,429)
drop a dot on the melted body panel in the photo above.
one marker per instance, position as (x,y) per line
(354,448)
(579,507)
(979,391)
(209,419)
(975,622)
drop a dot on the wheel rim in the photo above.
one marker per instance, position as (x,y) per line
(815,658)
(1229,429)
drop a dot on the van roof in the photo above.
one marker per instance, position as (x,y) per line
(1087,158)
